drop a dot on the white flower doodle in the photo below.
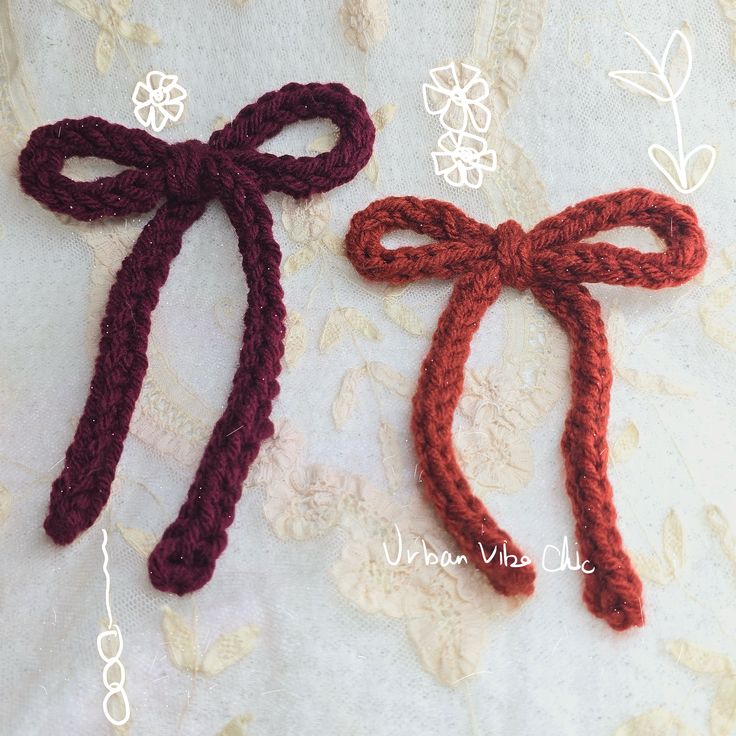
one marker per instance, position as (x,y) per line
(463,158)
(158,100)
(465,90)
(457,97)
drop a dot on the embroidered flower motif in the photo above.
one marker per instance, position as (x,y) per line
(278,455)
(158,100)
(457,97)
(448,631)
(489,396)
(364,576)
(305,220)
(446,609)
(463,159)
(495,458)
(109,18)
(307,503)
(365,22)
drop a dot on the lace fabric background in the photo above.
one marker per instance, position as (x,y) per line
(304,625)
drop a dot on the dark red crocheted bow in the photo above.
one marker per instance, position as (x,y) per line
(552,261)
(186,176)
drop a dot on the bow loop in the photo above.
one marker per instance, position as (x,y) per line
(303,175)
(560,254)
(461,242)
(132,191)
(514,253)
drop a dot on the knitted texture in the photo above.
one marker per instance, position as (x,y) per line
(552,261)
(186,176)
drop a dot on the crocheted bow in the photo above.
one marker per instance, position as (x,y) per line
(186,176)
(553,262)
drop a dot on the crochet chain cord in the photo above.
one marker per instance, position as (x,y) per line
(186,176)
(553,262)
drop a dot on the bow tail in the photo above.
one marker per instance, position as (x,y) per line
(81,491)
(613,591)
(465,517)
(184,560)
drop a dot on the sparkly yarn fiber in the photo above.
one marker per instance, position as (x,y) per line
(553,262)
(185,176)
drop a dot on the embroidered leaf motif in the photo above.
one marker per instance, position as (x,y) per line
(391,379)
(229,649)
(711,316)
(360,323)
(344,403)
(141,541)
(371,169)
(104,49)
(653,383)
(657,722)
(651,568)
(728,8)
(121,7)
(719,524)
(718,265)
(334,243)
(402,315)
(625,444)
(180,641)
(5,503)
(299,259)
(723,709)
(389,454)
(331,331)
(137,32)
(699,660)
(383,116)
(672,541)
(323,144)
(238,726)
(346,316)
(295,338)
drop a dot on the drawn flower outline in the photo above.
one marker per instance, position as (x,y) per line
(465,90)
(463,159)
(158,100)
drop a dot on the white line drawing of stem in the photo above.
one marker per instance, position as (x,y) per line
(629,77)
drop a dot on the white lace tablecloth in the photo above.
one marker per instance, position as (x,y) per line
(305,627)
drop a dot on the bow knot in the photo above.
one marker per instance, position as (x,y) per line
(513,251)
(191,172)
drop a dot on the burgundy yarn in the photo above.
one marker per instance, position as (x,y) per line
(186,176)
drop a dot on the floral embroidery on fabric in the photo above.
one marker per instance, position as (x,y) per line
(364,22)
(113,27)
(446,610)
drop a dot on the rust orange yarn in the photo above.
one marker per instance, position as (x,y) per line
(553,262)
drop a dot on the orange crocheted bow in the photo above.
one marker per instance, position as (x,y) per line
(553,262)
